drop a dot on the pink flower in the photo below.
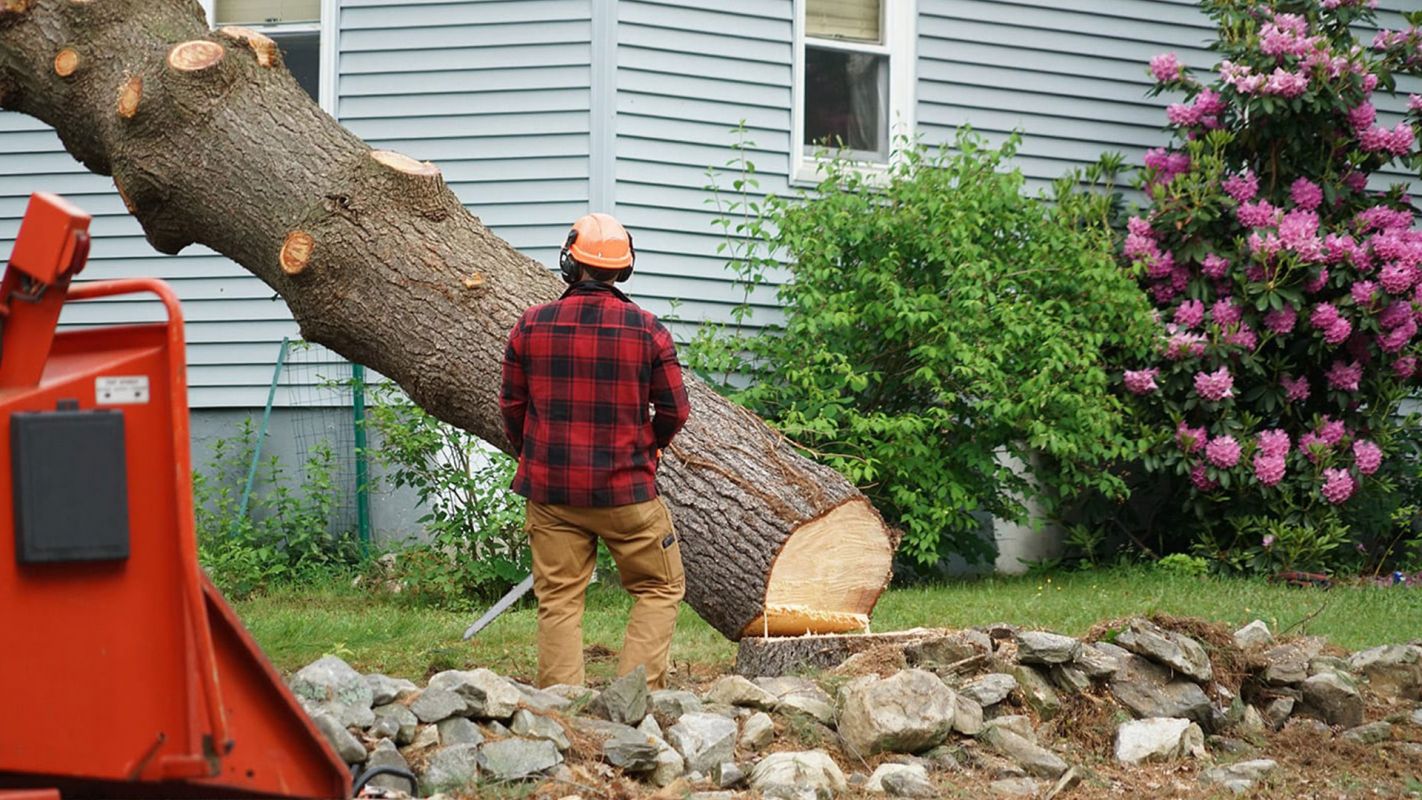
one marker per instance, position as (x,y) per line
(1274,443)
(1242,336)
(1166,68)
(1324,316)
(1368,456)
(1398,338)
(1414,102)
(1214,266)
(1345,377)
(1396,277)
(1337,485)
(1395,314)
(1209,103)
(1332,431)
(1269,470)
(1405,367)
(1140,227)
(1316,283)
(1313,447)
(1190,439)
(1281,321)
(1362,292)
(1182,115)
(1190,313)
(1184,345)
(1256,215)
(1243,187)
(1141,381)
(1356,181)
(1223,452)
(1295,389)
(1363,116)
(1225,313)
(1214,386)
(1286,84)
(1306,194)
(1201,478)
(1400,140)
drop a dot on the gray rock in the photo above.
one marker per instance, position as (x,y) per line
(1226,744)
(728,775)
(672,703)
(1315,728)
(946,650)
(577,696)
(1286,665)
(1240,777)
(385,689)
(540,700)
(384,728)
(757,731)
(385,754)
(497,729)
(1019,724)
(1255,634)
(704,740)
(633,751)
(1070,679)
(346,745)
(1321,664)
(458,730)
(425,738)
(1371,733)
(901,780)
(810,769)
(967,716)
(670,765)
(486,694)
(907,713)
(1158,739)
(517,759)
(329,684)
(1096,662)
(1278,711)
(711,796)
(1041,647)
(1015,787)
(1037,760)
(1394,670)
(451,768)
(1037,691)
(532,726)
(435,704)
(734,690)
(990,689)
(649,726)
(1148,690)
(1174,650)
(1416,717)
(1252,721)
(624,700)
(799,695)
(1334,699)
(1065,783)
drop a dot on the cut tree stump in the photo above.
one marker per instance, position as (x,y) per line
(215,143)
(762,657)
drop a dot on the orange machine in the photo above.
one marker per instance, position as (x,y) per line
(127,675)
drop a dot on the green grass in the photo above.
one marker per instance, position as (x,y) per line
(298,625)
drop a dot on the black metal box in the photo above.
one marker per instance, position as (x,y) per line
(70,486)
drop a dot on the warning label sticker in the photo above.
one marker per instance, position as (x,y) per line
(121,389)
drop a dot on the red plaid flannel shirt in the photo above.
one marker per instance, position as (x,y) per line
(581,378)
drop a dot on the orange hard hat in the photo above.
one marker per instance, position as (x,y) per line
(599,240)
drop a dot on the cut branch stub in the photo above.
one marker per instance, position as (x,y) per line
(266,50)
(403,163)
(195,55)
(66,62)
(296,252)
(15,6)
(127,201)
(130,93)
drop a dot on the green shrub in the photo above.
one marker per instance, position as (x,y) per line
(938,325)
(1181,564)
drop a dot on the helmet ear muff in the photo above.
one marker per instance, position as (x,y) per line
(626,272)
(571,269)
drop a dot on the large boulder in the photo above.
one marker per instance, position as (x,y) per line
(1149,690)
(1041,647)
(1391,669)
(907,713)
(799,696)
(435,704)
(812,769)
(1175,650)
(704,740)
(735,690)
(458,730)
(1333,699)
(1158,739)
(486,694)
(632,750)
(329,684)
(517,759)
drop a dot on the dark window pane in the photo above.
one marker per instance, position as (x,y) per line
(846,97)
(301,50)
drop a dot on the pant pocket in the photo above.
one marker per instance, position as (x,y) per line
(670,547)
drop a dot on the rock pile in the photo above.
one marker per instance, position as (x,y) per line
(990,704)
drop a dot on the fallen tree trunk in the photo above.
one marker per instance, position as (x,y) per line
(209,140)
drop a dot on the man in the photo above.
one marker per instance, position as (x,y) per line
(592,393)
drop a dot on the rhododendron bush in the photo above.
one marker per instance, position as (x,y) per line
(1287,281)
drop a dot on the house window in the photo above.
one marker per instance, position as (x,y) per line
(295,25)
(854,78)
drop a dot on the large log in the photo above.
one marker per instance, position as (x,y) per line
(209,140)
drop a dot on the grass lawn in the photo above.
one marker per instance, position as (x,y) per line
(298,625)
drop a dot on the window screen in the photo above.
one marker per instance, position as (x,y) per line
(855,20)
(266,12)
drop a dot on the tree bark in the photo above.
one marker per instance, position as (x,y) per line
(210,140)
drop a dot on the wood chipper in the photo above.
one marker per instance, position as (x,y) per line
(126,673)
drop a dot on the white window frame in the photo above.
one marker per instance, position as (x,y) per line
(328,26)
(900,27)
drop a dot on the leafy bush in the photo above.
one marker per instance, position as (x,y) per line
(284,534)
(939,325)
(477,547)
(1288,289)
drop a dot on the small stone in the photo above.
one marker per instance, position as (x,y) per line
(1371,733)
(517,759)
(1225,744)
(1238,777)
(1255,634)
(1252,721)
(1394,670)
(990,689)
(728,775)
(799,695)
(486,694)
(540,700)
(1416,718)
(498,730)
(1065,783)
(625,699)
(757,731)
(384,728)
(346,745)
(710,796)
(734,690)
(810,769)
(649,727)
(1019,724)
(451,768)
(632,751)
(1174,650)
(670,765)
(1158,739)
(1149,690)
(577,696)
(1278,711)
(901,780)
(1096,662)
(329,684)
(1037,691)
(947,650)
(1287,665)
(425,737)
(1334,699)
(672,703)
(1041,647)
(458,730)
(968,716)
(403,717)
(704,740)
(1070,679)
(1321,664)
(1034,758)
(386,755)
(1316,728)
(1016,787)
(532,726)
(435,704)
(906,713)
(385,689)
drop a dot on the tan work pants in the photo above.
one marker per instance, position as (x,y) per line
(643,543)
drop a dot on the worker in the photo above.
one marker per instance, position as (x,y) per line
(592,393)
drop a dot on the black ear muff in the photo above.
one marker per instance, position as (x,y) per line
(626,272)
(571,269)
